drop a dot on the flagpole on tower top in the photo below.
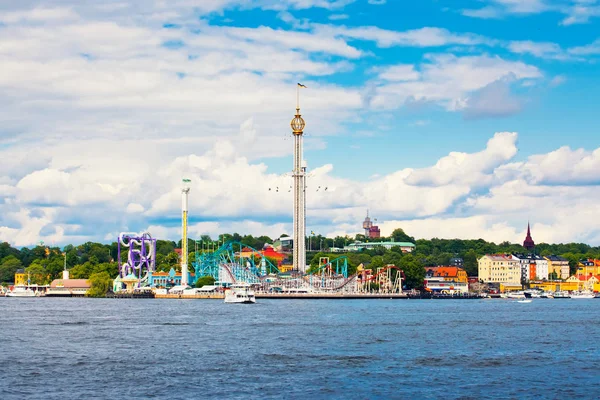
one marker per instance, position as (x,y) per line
(298,95)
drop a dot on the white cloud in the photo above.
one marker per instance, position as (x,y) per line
(482,194)
(338,17)
(493,100)
(134,208)
(581,12)
(398,73)
(590,49)
(538,49)
(451,80)
(575,11)
(463,168)
(423,37)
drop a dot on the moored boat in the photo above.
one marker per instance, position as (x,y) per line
(240,293)
(582,295)
(20,291)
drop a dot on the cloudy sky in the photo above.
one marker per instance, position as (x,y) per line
(448,118)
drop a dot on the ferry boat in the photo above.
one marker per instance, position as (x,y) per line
(240,293)
(20,291)
(562,295)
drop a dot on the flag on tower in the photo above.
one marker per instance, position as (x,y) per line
(187,180)
(301,85)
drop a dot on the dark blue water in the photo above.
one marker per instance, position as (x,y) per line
(353,349)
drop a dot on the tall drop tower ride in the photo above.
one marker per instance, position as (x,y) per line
(185,190)
(299,174)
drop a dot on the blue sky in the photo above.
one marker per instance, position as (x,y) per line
(446,118)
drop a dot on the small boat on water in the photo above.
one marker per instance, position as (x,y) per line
(21,291)
(240,293)
(562,295)
(515,295)
(524,301)
(582,295)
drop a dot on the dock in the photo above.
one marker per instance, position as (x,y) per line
(306,296)
(320,296)
(212,296)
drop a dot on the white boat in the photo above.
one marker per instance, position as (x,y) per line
(582,295)
(515,295)
(240,293)
(524,301)
(20,291)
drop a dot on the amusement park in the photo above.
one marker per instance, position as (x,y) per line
(233,263)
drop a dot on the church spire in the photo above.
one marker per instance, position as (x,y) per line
(528,243)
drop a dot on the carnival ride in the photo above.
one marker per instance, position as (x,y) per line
(141,257)
(234,262)
(387,279)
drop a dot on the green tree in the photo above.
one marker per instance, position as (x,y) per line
(9,265)
(204,281)
(470,263)
(164,264)
(100,283)
(54,268)
(399,236)
(414,271)
(37,273)
(376,262)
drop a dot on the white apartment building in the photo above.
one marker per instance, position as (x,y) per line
(526,261)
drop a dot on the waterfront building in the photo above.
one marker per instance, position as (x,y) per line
(559,266)
(21,278)
(450,273)
(406,247)
(68,287)
(499,268)
(446,279)
(533,267)
(171,278)
(586,282)
(555,286)
(589,266)
(541,265)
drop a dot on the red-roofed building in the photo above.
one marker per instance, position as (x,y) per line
(269,251)
(446,279)
(68,288)
(450,273)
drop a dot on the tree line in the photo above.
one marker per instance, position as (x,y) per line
(44,263)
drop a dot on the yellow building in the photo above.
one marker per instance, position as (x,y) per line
(559,266)
(589,266)
(586,282)
(285,268)
(20,278)
(499,268)
(556,286)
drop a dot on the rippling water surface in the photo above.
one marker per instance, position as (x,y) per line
(299,349)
